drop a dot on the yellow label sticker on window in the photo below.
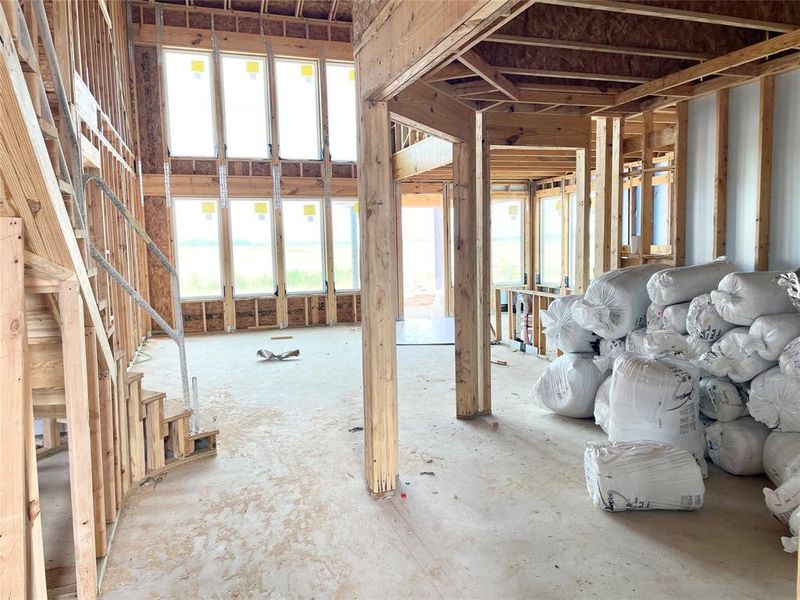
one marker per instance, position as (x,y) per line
(198,66)
(355,207)
(307,70)
(513,209)
(309,210)
(252,66)
(261,208)
(351,74)
(209,208)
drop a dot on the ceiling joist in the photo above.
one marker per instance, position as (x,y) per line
(489,74)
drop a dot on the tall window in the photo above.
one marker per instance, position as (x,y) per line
(550,240)
(507,247)
(341,84)
(251,240)
(297,92)
(244,92)
(344,228)
(197,240)
(302,236)
(190,114)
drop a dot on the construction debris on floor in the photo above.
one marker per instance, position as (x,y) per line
(273,357)
(678,365)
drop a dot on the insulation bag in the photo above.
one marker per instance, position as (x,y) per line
(656,399)
(674,317)
(569,385)
(790,543)
(722,399)
(616,302)
(561,329)
(681,284)
(781,456)
(601,404)
(697,346)
(634,341)
(775,400)
(743,297)
(784,499)
(737,446)
(789,360)
(665,342)
(625,476)
(733,357)
(703,320)
(609,350)
(770,334)
(654,317)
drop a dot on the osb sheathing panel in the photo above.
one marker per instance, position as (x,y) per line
(148,96)
(245,314)
(344,308)
(268,312)
(297,310)
(215,316)
(158,227)
(316,310)
(192,317)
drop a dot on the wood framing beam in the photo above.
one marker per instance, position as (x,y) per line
(616,166)
(423,107)
(679,188)
(632,8)
(602,194)
(427,154)
(545,97)
(429,31)
(489,74)
(721,175)
(538,131)
(583,186)
(764,192)
(647,185)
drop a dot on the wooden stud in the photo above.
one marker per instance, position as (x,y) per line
(107,436)
(136,430)
(764,194)
(616,166)
(646,238)
(583,173)
(603,195)
(95,438)
(721,175)
(678,209)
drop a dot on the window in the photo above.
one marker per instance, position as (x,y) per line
(298,108)
(660,214)
(344,227)
(550,241)
(244,93)
(302,235)
(190,114)
(251,241)
(507,248)
(341,84)
(197,241)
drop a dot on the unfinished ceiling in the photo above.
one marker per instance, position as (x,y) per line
(332,10)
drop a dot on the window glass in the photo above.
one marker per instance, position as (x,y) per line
(302,238)
(550,236)
(190,116)
(341,84)
(251,241)
(197,241)
(344,227)
(507,248)
(660,214)
(626,221)
(298,108)
(244,93)
(573,223)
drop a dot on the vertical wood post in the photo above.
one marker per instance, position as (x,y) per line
(602,195)
(13,412)
(583,174)
(678,209)
(764,197)
(721,175)
(95,436)
(647,185)
(378,296)
(615,228)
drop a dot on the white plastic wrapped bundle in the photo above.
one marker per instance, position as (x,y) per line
(665,342)
(568,386)
(654,316)
(697,346)
(775,400)
(609,351)
(561,329)
(601,404)
(781,456)
(634,341)
(789,360)
(703,320)
(732,357)
(770,334)
(743,297)
(737,446)
(784,499)
(642,476)
(616,302)
(681,284)
(790,543)
(674,317)
(722,399)
(656,399)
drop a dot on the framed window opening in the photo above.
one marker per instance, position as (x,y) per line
(297,93)
(246,106)
(344,228)
(341,92)
(550,241)
(304,256)
(252,247)
(198,247)
(507,241)
(188,91)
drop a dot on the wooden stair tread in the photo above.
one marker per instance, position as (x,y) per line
(203,434)
(132,376)
(149,396)
(174,410)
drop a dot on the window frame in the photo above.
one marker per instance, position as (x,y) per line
(541,282)
(351,200)
(270,207)
(522,198)
(220,243)
(267,108)
(323,252)
(355,99)
(317,97)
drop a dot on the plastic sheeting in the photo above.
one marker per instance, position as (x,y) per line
(737,446)
(674,317)
(770,334)
(743,297)
(790,543)
(703,320)
(602,408)
(609,351)
(681,284)
(722,399)
(665,342)
(732,357)
(642,476)
(789,360)
(654,316)
(784,499)
(781,456)
(561,329)
(569,385)
(634,342)
(616,302)
(775,400)
(656,399)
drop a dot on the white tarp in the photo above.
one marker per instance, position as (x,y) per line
(656,399)
(601,404)
(789,360)
(737,446)
(784,499)
(781,456)
(743,297)
(722,399)
(681,284)
(775,400)
(732,357)
(561,329)
(569,385)
(642,476)
(616,302)
(703,320)
(674,317)
(770,334)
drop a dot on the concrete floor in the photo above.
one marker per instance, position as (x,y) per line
(282,511)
